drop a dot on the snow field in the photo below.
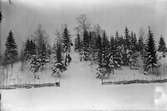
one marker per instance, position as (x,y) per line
(80,90)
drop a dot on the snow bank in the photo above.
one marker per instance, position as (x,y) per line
(163,68)
(79,91)
(126,74)
(16,76)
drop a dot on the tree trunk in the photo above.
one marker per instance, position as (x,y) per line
(6,76)
(102,80)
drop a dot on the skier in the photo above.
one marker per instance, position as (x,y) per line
(69,58)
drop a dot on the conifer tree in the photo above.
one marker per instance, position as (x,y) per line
(43,56)
(127,39)
(150,57)
(29,50)
(11,50)
(92,46)
(42,47)
(57,66)
(33,48)
(105,64)
(126,51)
(116,52)
(35,65)
(59,53)
(66,40)
(99,50)
(101,70)
(162,45)
(133,44)
(112,44)
(31,56)
(105,50)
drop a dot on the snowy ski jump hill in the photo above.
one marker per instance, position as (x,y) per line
(80,90)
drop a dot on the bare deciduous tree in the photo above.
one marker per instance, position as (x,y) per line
(83,23)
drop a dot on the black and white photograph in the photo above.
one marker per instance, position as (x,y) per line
(83,55)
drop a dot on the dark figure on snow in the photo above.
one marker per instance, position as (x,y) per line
(68,59)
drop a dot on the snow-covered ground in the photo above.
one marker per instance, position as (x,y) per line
(80,90)
(126,74)
(16,76)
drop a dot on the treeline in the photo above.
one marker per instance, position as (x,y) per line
(37,52)
(93,44)
(110,53)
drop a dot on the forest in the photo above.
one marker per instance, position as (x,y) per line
(109,54)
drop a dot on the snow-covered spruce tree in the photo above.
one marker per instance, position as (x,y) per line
(66,44)
(66,41)
(133,61)
(113,57)
(133,51)
(11,53)
(41,42)
(29,50)
(92,47)
(90,38)
(162,45)
(35,65)
(43,56)
(57,60)
(105,52)
(126,47)
(127,38)
(133,44)
(31,58)
(150,57)
(117,58)
(33,49)
(26,53)
(112,43)
(117,50)
(99,50)
(101,70)
(105,57)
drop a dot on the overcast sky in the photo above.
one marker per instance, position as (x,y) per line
(113,15)
(50,3)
